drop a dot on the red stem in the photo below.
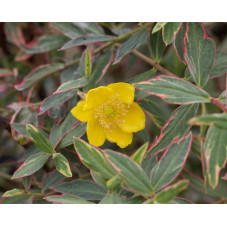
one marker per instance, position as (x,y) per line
(219,104)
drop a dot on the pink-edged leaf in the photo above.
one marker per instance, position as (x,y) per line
(174,90)
(67,199)
(199,52)
(14,34)
(90,27)
(88,39)
(171,163)
(69,29)
(175,128)
(169,31)
(136,40)
(178,42)
(45,44)
(100,67)
(38,74)
(62,94)
(5,73)
(31,165)
(215,150)
(224,177)
(220,65)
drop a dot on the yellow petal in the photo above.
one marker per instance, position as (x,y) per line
(125,91)
(134,120)
(95,133)
(123,139)
(79,112)
(97,96)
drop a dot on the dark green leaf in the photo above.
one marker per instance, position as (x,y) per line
(220,65)
(83,188)
(136,40)
(90,27)
(27,182)
(51,179)
(113,198)
(143,76)
(148,164)
(45,44)
(156,45)
(38,74)
(84,40)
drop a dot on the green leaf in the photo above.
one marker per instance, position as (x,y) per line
(220,65)
(76,131)
(31,165)
(169,31)
(83,188)
(45,44)
(178,42)
(171,163)
(136,40)
(143,76)
(139,154)
(51,179)
(59,131)
(88,63)
(130,172)
(217,120)
(27,182)
(90,27)
(20,128)
(222,97)
(158,26)
(84,40)
(62,165)
(69,29)
(113,183)
(37,74)
(215,149)
(156,45)
(98,179)
(13,192)
(67,199)
(62,94)
(113,198)
(199,54)
(167,194)
(93,159)
(148,164)
(100,67)
(5,73)
(39,139)
(174,90)
(175,128)
(154,112)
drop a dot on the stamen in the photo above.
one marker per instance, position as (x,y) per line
(111,112)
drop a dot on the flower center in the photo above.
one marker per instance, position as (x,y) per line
(111,113)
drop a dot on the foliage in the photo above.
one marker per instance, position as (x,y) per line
(173,72)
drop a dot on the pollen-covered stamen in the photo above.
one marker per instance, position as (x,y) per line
(111,112)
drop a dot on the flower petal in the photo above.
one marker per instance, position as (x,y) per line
(79,112)
(123,139)
(125,91)
(97,96)
(134,120)
(95,133)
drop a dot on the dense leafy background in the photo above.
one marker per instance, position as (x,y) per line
(179,72)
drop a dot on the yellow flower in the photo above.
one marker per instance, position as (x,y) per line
(110,113)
